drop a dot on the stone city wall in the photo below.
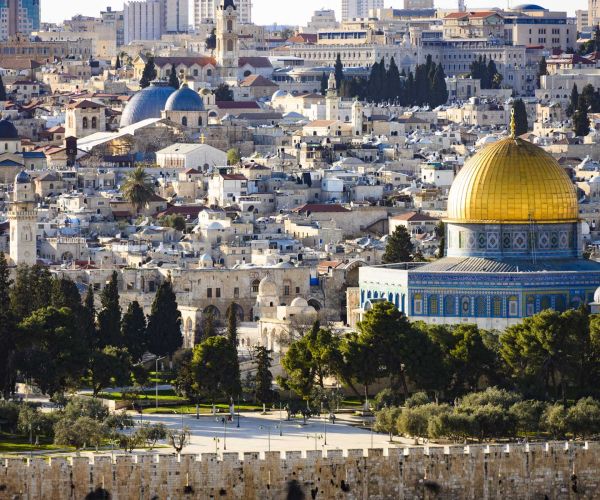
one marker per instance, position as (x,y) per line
(535,471)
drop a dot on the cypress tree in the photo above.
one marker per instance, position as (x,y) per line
(399,247)
(338,71)
(133,330)
(173,79)
(7,326)
(421,86)
(264,378)
(109,317)
(2,90)
(581,121)
(393,82)
(521,126)
(149,73)
(439,91)
(232,324)
(409,90)
(574,99)
(164,322)
(324,83)
(88,324)
(118,63)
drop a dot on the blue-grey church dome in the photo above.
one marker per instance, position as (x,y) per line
(22,178)
(147,103)
(184,99)
(8,131)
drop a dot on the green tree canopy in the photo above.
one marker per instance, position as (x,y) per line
(213,362)
(399,247)
(223,93)
(133,330)
(109,317)
(138,188)
(164,323)
(149,73)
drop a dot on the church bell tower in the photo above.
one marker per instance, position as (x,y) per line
(228,40)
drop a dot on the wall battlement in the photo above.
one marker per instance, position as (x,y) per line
(534,471)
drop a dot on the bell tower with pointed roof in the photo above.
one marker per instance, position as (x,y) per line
(228,41)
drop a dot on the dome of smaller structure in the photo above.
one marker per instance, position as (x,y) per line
(279,93)
(528,6)
(8,132)
(184,99)
(205,91)
(267,287)
(215,225)
(22,178)
(283,265)
(597,296)
(147,103)
(206,260)
(299,302)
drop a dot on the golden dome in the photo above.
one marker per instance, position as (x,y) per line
(512,181)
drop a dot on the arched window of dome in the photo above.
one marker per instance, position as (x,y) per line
(480,307)
(530,305)
(449,306)
(229,45)
(85,122)
(94,122)
(513,306)
(465,306)
(184,121)
(545,303)
(433,305)
(497,307)
(418,303)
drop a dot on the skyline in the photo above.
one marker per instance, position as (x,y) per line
(263,11)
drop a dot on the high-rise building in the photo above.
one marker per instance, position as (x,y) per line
(176,16)
(593,12)
(205,11)
(352,9)
(19,16)
(143,20)
(418,4)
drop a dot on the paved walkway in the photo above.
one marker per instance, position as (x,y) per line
(210,435)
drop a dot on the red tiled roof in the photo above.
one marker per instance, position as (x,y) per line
(414,217)
(237,105)
(255,62)
(186,210)
(186,61)
(257,81)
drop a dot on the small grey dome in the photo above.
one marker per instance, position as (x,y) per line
(8,131)
(147,103)
(23,178)
(184,99)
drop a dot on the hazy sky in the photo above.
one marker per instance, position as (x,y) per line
(280,11)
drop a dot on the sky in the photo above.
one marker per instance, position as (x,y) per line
(292,12)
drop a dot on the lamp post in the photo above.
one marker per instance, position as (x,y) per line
(156,379)
(238,412)
(268,427)
(280,430)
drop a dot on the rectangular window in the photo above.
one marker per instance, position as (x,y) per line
(286,290)
(236,293)
(209,293)
(218,293)
(297,290)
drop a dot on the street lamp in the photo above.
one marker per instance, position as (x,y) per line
(280,430)
(238,412)
(268,427)
(156,360)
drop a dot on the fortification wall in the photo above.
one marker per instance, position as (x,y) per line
(536,471)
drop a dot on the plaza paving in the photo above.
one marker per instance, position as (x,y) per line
(208,434)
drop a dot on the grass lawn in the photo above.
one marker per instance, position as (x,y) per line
(11,443)
(164,395)
(204,409)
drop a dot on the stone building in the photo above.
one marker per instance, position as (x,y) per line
(85,117)
(23,222)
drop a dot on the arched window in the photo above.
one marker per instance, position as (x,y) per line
(497,307)
(255,285)
(449,306)
(195,72)
(465,306)
(184,121)
(530,305)
(433,305)
(418,303)
(85,122)
(229,45)
(545,303)
(480,307)
(229,25)
(209,72)
(199,121)
(94,122)
(247,73)
(513,306)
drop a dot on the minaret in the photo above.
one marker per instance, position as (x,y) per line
(357,118)
(228,53)
(23,222)
(332,99)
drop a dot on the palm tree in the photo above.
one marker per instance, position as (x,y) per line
(138,188)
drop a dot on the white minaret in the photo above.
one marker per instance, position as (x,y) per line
(228,54)
(357,118)
(23,222)
(332,100)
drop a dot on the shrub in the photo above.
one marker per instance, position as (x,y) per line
(583,419)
